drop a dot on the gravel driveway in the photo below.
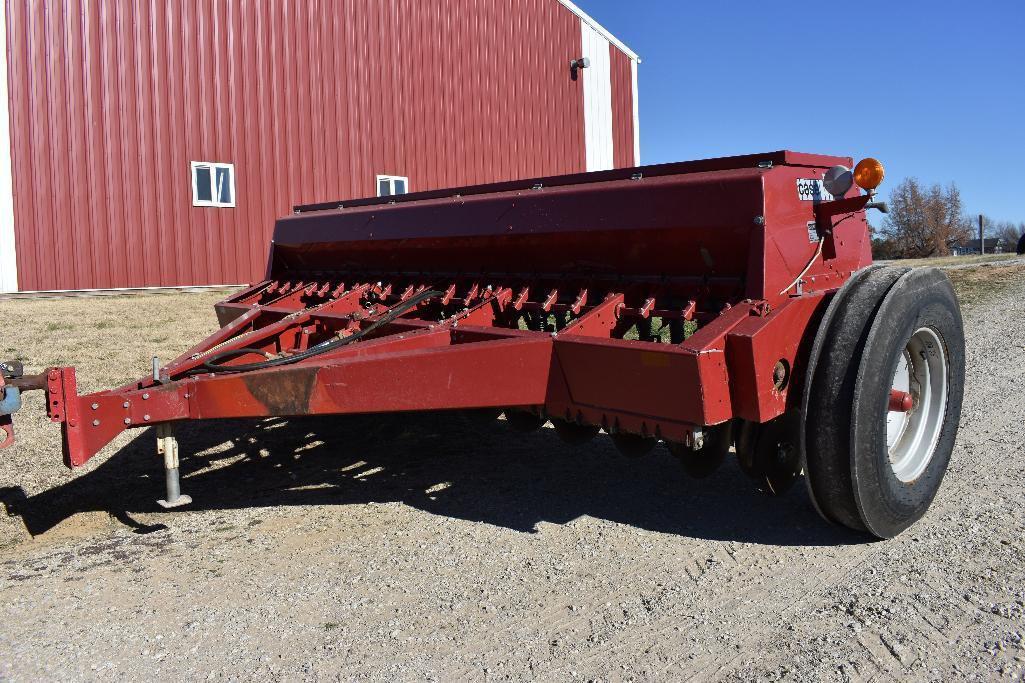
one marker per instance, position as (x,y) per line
(430,548)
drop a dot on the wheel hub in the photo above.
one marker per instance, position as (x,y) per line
(911,434)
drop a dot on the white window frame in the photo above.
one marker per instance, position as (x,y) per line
(213,166)
(391,184)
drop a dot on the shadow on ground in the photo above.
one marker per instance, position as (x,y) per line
(442,463)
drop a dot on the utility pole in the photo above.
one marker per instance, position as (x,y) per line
(982,241)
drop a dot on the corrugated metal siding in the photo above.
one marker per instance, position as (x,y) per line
(111,100)
(622,109)
(8,257)
(597,99)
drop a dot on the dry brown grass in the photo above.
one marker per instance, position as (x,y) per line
(110,339)
(984,284)
(957,261)
(978,279)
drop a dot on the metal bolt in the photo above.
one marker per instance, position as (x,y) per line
(96,423)
(145,397)
(95,406)
(125,404)
(759,220)
(145,418)
(186,394)
(128,420)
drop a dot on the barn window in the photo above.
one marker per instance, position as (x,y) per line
(387,185)
(213,184)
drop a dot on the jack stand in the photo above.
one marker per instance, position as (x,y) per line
(167,446)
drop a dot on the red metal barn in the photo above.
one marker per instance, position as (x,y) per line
(152,143)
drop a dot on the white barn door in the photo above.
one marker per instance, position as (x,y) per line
(597,99)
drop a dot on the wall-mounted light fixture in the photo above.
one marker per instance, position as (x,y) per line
(576,64)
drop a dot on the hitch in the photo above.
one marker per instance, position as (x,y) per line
(11,369)
(10,400)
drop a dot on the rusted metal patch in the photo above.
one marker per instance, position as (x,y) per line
(285,391)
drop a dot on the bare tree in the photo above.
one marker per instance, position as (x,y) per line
(1008,233)
(923,221)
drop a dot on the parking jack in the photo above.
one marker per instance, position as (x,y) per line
(167,446)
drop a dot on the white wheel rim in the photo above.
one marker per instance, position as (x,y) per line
(911,436)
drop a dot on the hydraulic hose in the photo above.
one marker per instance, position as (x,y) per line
(216,362)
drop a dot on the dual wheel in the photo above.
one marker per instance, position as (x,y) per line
(881,404)
(881,409)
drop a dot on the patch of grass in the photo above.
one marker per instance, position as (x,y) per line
(660,329)
(330,626)
(104,325)
(985,283)
(58,327)
(948,261)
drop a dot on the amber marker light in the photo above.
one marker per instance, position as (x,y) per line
(869,173)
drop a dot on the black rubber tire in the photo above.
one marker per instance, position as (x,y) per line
(573,433)
(829,394)
(922,298)
(837,303)
(702,463)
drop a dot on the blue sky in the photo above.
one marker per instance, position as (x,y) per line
(933,89)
